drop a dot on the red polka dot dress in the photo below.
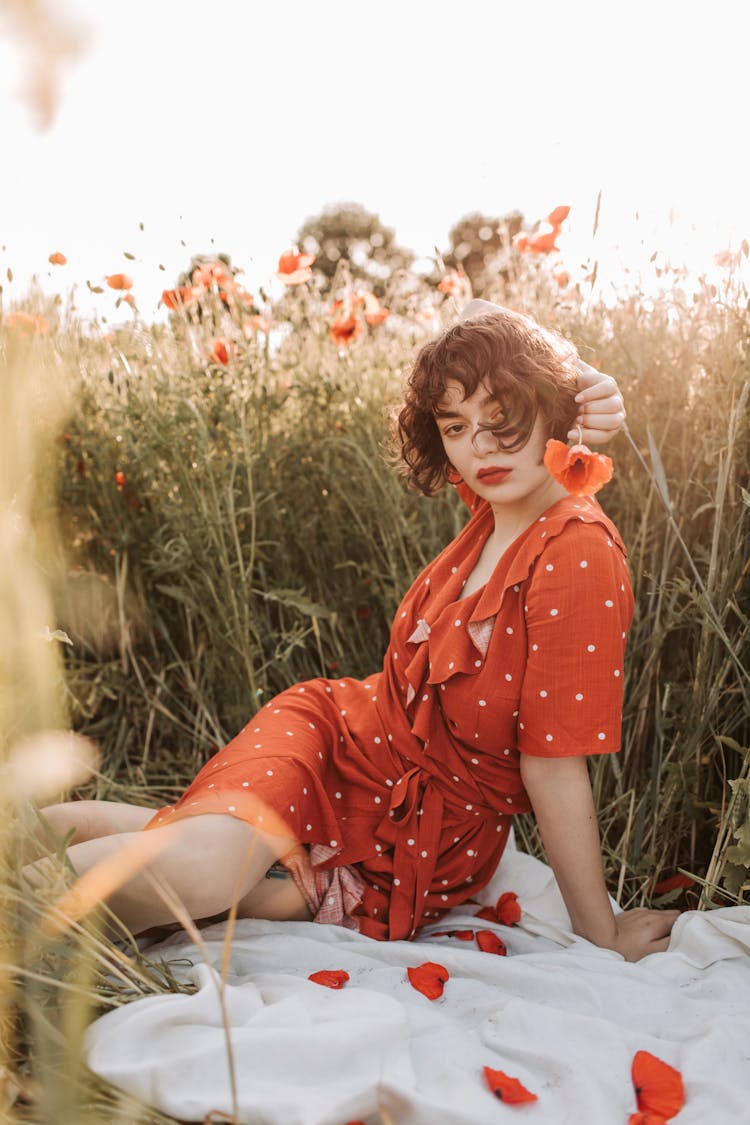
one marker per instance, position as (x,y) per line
(408,780)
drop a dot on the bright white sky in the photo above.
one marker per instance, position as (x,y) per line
(234,121)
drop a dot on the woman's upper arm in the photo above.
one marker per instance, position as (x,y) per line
(578,609)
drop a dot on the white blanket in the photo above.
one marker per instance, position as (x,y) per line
(561,1015)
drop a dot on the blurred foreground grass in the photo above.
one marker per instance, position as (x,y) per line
(183,538)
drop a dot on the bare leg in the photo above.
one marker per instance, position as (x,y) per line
(88,820)
(207,861)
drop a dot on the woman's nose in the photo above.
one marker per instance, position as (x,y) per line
(483,440)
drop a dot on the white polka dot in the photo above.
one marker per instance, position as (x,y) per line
(334,843)
(601,736)
(378,847)
(509,630)
(579,697)
(410,842)
(343,713)
(522,727)
(308,827)
(311,726)
(554,612)
(376,741)
(535,648)
(270,773)
(256,730)
(590,648)
(404,614)
(457,621)
(583,564)
(300,689)
(397,882)
(290,734)
(470,851)
(377,800)
(277,710)
(548,737)
(477,663)
(508,677)
(374,909)
(506,751)
(482,702)
(509,800)
(337,796)
(331,901)
(233,808)
(475,761)
(454,569)
(305,791)
(423,855)
(444,898)
(549,566)
(609,604)
(442,687)
(388,781)
(455,778)
(544,533)
(452,664)
(212,785)
(617,672)
(245,784)
(543,694)
(258,745)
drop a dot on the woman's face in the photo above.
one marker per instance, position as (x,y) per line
(506,480)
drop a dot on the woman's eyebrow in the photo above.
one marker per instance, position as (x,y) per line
(488,400)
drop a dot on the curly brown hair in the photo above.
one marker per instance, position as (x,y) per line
(527,369)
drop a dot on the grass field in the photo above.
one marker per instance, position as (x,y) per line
(190,526)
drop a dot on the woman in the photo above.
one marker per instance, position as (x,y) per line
(390,799)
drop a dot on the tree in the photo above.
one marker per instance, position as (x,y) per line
(350,233)
(481,247)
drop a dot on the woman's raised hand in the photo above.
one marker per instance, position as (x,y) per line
(602,408)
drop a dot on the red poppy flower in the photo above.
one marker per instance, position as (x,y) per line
(683,882)
(561,276)
(576,468)
(488,913)
(345,329)
(58,259)
(120,480)
(507,909)
(658,1086)
(26,324)
(429,979)
(222,350)
(294,268)
(646,1119)
(331,978)
(212,274)
(542,240)
(507,1089)
(119,281)
(558,215)
(489,942)
(181,297)
(455,283)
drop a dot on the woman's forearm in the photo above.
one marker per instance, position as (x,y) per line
(560,793)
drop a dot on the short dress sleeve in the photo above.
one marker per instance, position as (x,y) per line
(578,608)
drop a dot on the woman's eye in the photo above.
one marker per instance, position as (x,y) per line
(450,431)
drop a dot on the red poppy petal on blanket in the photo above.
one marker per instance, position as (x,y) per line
(429,979)
(507,1089)
(489,942)
(463,935)
(331,978)
(507,909)
(658,1086)
(488,913)
(646,1119)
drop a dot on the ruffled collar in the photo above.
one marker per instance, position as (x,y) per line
(463,625)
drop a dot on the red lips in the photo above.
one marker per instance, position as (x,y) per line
(493,474)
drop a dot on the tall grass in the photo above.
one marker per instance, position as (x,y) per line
(204,535)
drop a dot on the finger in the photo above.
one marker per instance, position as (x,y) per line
(592,436)
(595,384)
